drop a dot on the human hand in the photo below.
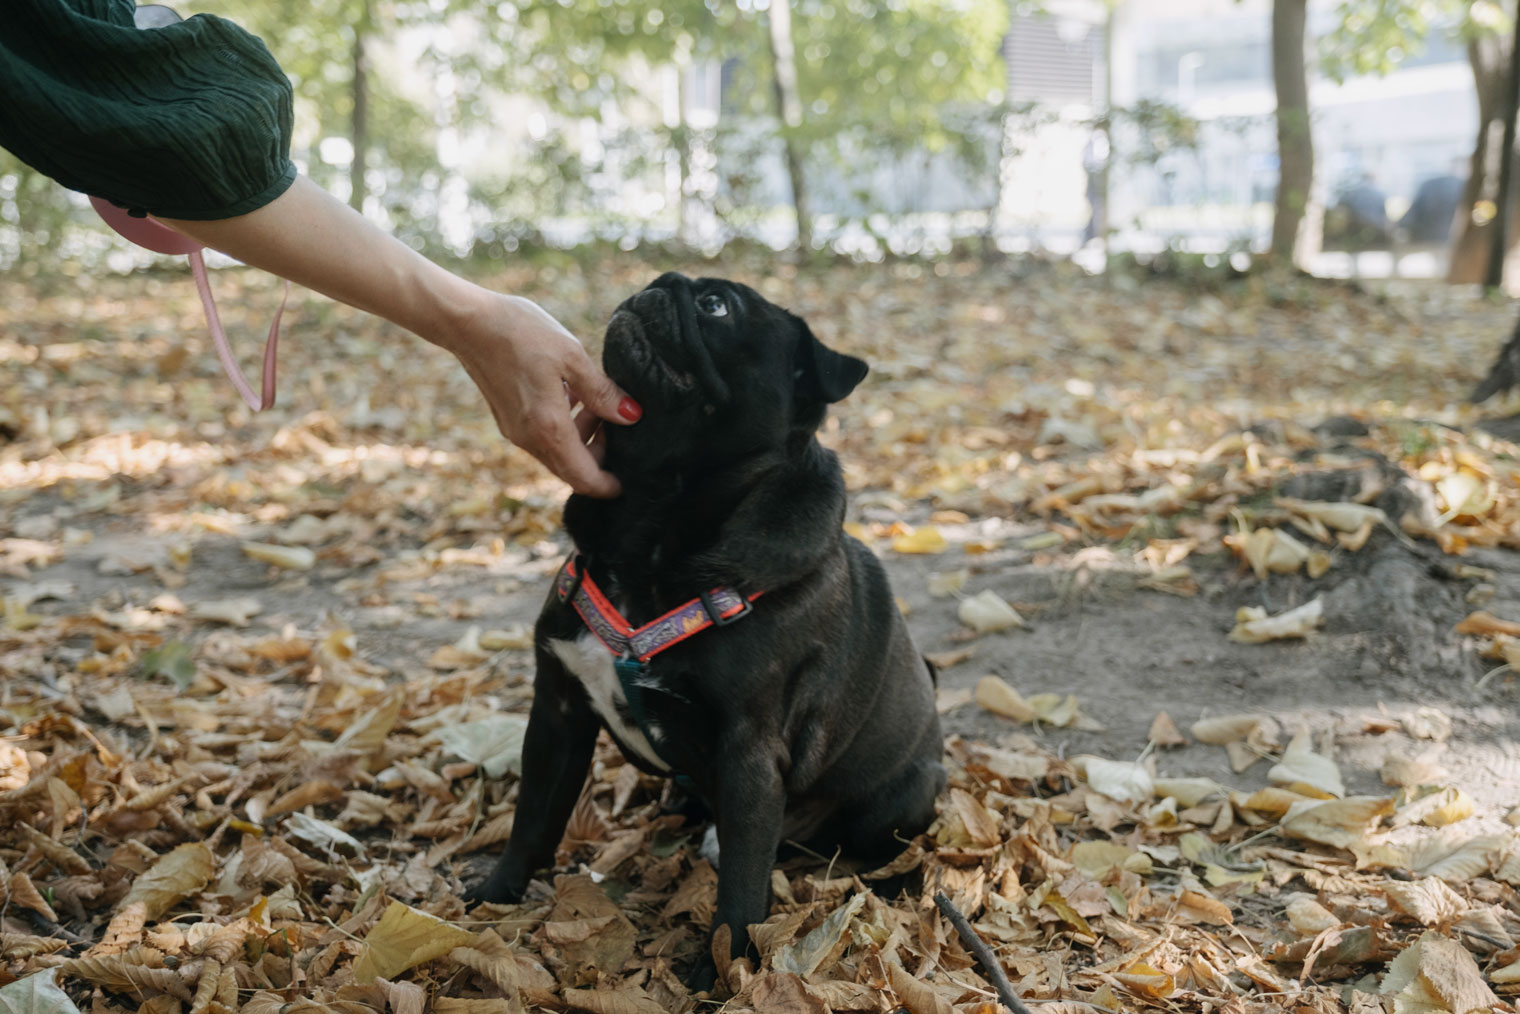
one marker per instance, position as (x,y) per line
(533,373)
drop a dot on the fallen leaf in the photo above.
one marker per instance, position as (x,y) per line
(1164,731)
(920,541)
(494,743)
(405,938)
(1304,771)
(37,993)
(1121,781)
(176,875)
(284,557)
(233,612)
(987,613)
(1338,822)
(1429,901)
(1001,699)
(1436,974)
(1254,626)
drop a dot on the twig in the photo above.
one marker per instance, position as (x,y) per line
(983,954)
(1506,667)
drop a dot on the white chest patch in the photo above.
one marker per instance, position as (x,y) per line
(591,663)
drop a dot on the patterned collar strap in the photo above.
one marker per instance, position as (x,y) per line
(719,608)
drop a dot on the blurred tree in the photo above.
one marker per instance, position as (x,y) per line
(1295,142)
(789,111)
(884,81)
(1375,36)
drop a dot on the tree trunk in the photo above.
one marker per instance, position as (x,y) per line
(1295,144)
(1488,55)
(357,189)
(789,108)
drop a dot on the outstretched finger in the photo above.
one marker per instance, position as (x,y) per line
(565,454)
(599,394)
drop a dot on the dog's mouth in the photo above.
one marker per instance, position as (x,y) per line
(633,354)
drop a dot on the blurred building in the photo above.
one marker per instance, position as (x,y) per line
(1212,60)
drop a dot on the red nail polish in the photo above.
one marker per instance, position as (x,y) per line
(629,409)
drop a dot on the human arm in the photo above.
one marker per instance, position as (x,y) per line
(519,356)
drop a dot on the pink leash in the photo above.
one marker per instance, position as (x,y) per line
(224,350)
(145,232)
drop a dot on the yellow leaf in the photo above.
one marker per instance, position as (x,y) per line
(1001,699)
(368,731)
(1147,981)
(405,938)
(173,877)
(920,541)
(1063,910)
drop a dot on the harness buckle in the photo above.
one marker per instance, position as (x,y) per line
(716,615)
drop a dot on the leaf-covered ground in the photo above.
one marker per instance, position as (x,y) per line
(1222,584)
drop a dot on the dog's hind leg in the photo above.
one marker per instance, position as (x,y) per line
(556,757)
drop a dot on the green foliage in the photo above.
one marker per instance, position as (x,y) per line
(34,213)
(881,80)
(1375,36)
(884,83)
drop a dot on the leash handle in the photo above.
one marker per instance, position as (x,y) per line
(224,350)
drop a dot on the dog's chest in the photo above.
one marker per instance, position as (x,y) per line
(591,663)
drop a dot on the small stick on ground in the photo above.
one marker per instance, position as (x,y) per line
(982,953)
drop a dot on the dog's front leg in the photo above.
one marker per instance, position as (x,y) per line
(556,756)
(752,802)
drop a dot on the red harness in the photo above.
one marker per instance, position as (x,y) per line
(717,608)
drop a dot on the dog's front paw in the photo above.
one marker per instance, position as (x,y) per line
(496,888)
(702,976)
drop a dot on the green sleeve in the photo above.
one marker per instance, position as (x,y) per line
(188,121)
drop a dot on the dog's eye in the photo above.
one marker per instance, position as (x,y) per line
(712,304)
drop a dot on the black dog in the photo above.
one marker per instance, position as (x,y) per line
(803,713)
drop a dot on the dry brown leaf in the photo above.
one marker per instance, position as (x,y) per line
(784,993)
(1164,731)
(821,947)
(1309,918)
(24,893)
(1304,771)
(60,855)
(139,972)
(1435,973)
(284,557)
(1206,908)
(981,824)
(917,996)
(1254,626)
(1339,822)
(1429,901)
(628,1000)
(489,955)
(124,931)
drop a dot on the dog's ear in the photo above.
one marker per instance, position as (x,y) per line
(823,373)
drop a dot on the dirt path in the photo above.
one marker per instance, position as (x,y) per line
(1387,651)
